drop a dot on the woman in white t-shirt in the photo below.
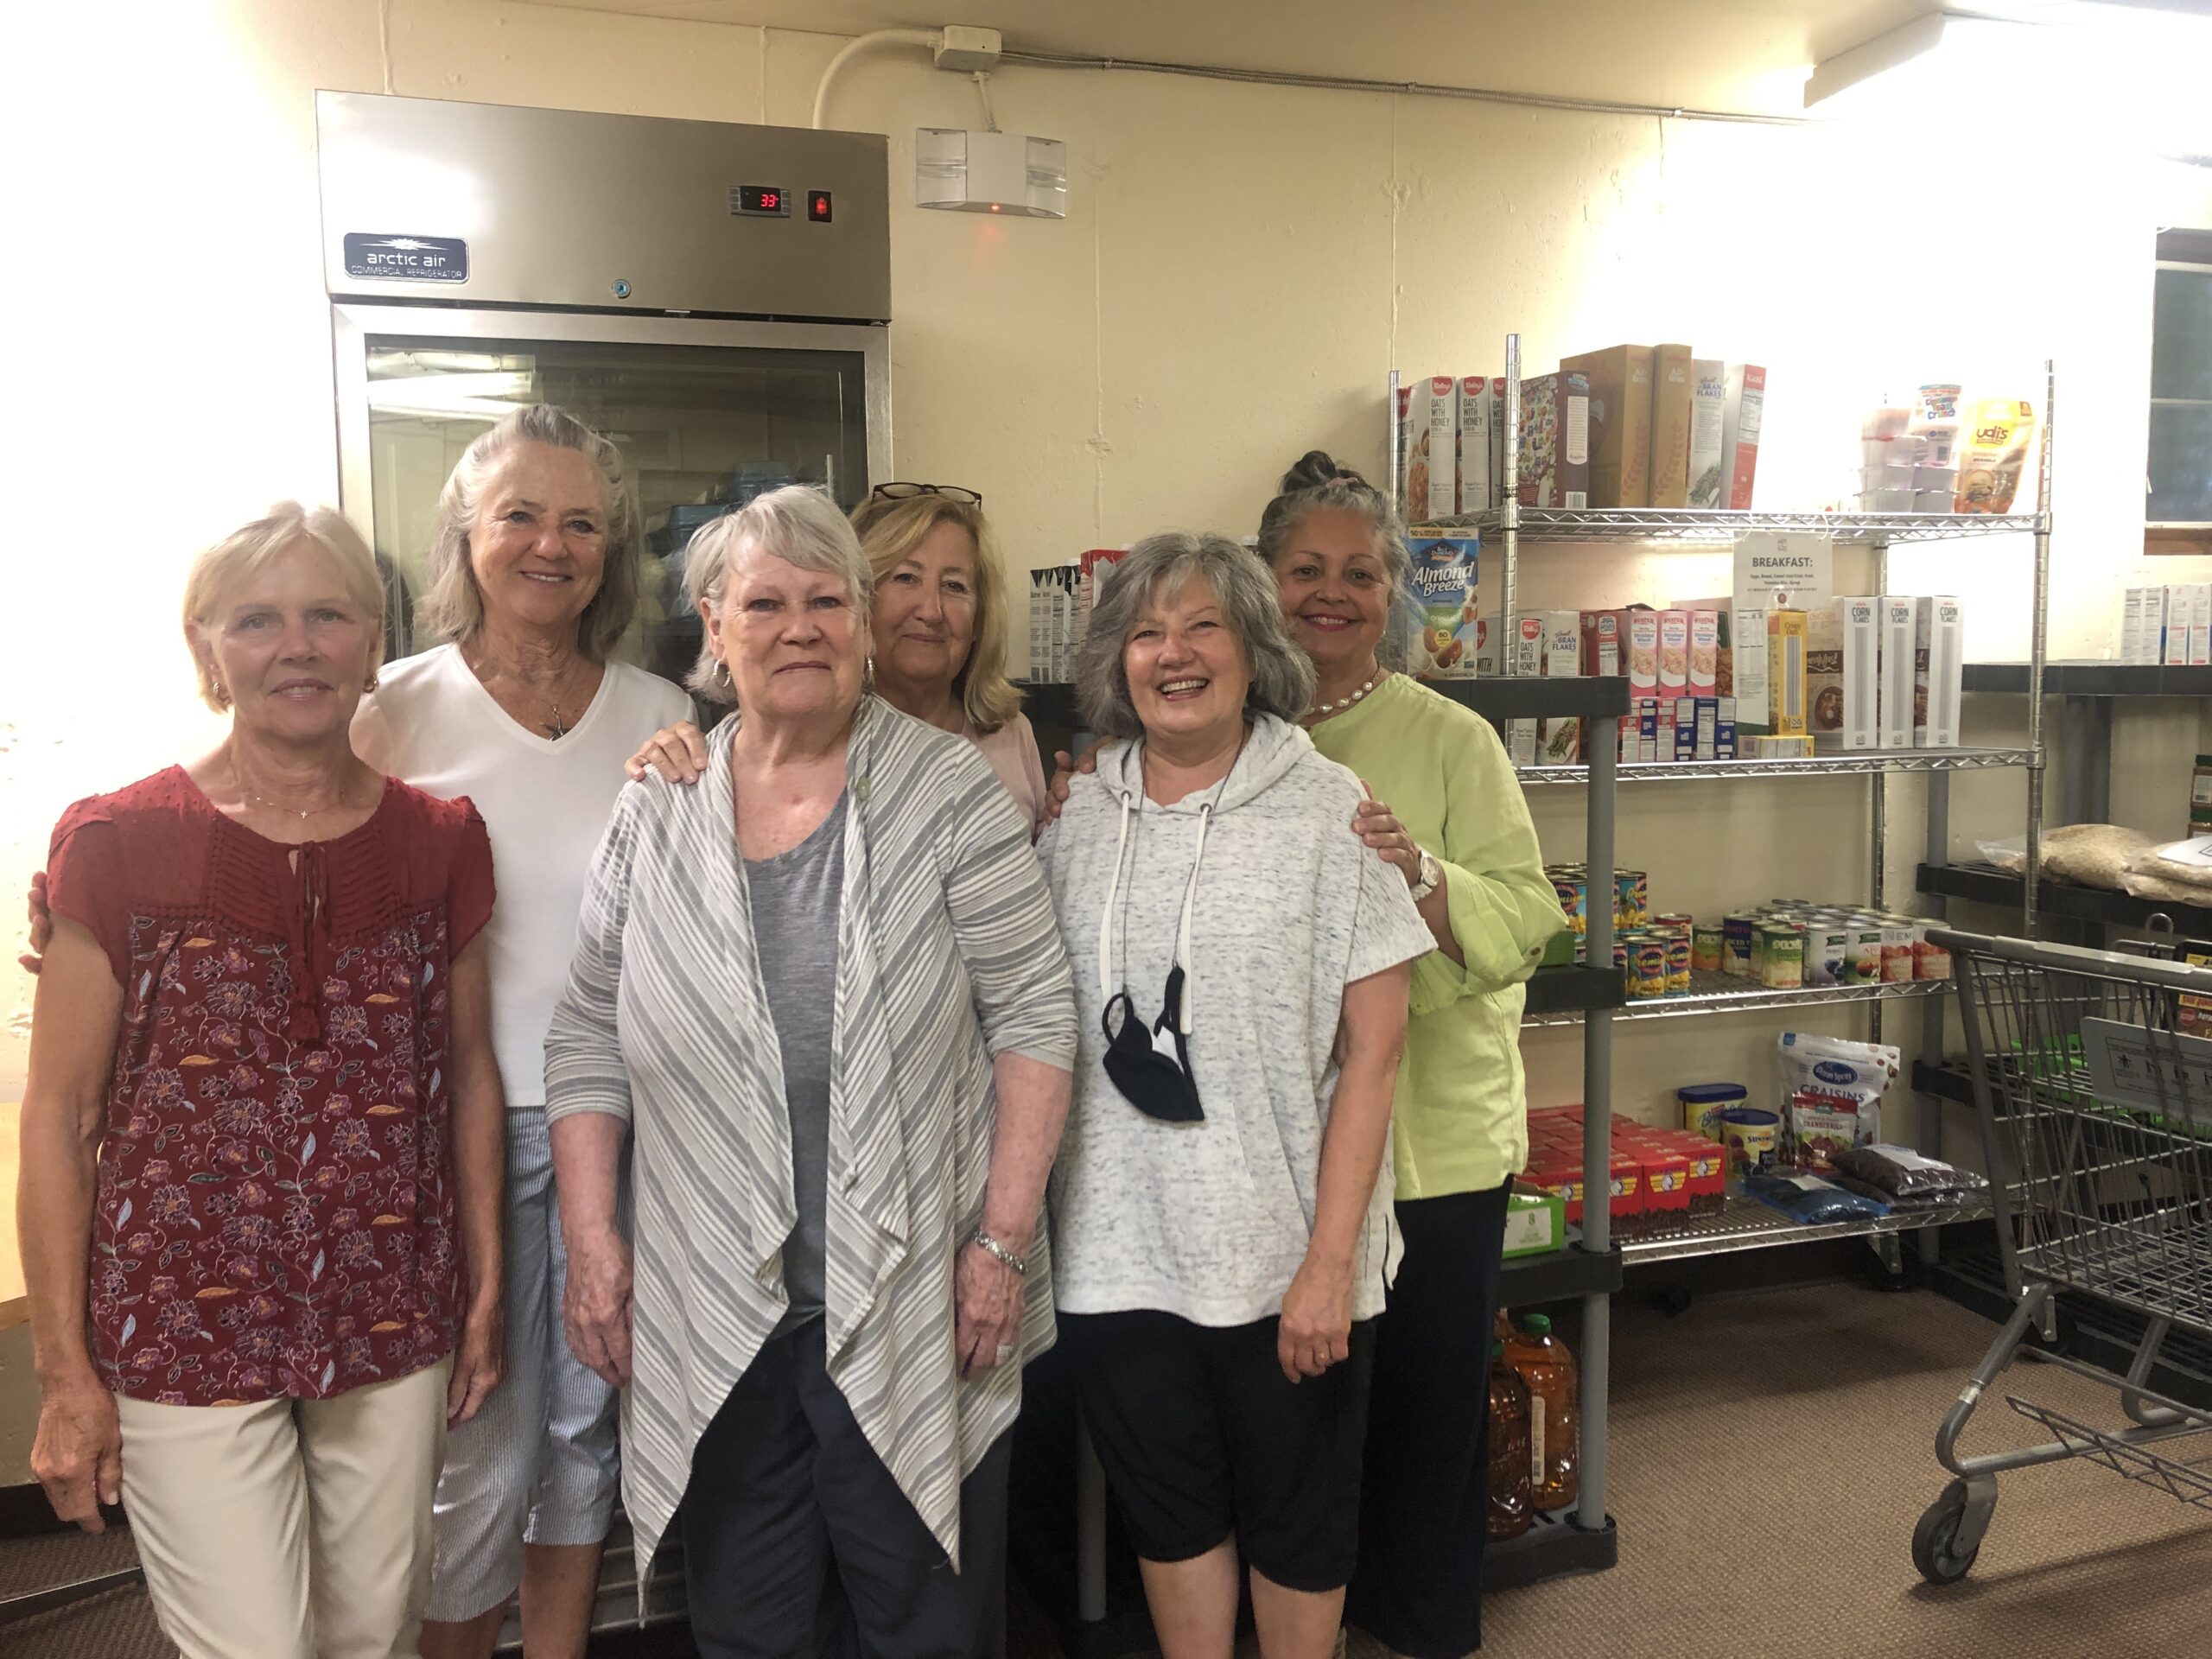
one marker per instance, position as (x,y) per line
(533,579)
(936,617)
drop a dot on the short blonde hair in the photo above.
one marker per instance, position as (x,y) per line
(245,550)
(454,609)
(799,523)
(890,530)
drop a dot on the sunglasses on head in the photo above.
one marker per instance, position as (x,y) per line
(908,491)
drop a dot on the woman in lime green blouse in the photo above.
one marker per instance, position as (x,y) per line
(1456,824)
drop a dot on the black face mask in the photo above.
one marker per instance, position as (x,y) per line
(1157,1082)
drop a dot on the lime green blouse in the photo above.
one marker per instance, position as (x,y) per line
(1461,1120)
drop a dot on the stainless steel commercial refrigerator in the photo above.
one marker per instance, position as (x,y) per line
(714,297)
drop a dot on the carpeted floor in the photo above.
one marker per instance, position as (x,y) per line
(1771,1454)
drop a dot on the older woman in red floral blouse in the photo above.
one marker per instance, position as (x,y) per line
(262,1137)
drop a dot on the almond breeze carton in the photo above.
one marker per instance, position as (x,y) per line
(1441,583)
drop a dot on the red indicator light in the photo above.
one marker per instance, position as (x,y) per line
(817,206)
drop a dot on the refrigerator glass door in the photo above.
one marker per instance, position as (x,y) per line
(707,415)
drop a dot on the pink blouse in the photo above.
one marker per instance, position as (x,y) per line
(1012,751)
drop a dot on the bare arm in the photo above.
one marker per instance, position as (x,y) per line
(1315,1329)
(480,1165)
(1032,1108)
(595,1313)
(78,1454)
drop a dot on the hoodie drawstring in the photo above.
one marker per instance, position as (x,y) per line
(1107,981)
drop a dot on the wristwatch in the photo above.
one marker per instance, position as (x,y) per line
(1431,876)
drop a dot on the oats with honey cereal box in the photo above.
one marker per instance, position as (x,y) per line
(1432,455)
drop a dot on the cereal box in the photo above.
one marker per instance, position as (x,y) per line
(1558,737)
(1740,431)
(1601,644)
(1431,454)
(1674,654)
(1939,671)
(1477,478)
(1705,654)
(1555,441)
(1900,624)
(1708,402)
(1672,392)
(1442,583)
(1620,423)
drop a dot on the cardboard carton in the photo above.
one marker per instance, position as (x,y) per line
(1900,620)
(1742,416)
(1478,477)
(1939,669)
(1555,441)
(1558,737)
(1709,477)
(1785,673)
(1620,423)
(1431,461)
(1672,393)
(1704,673)
(1842,654)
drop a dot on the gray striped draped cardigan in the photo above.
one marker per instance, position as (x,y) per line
(947,955)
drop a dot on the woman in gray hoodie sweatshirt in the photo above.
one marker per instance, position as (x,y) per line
(1222,1220)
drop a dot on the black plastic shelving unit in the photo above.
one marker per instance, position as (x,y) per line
(1986,884)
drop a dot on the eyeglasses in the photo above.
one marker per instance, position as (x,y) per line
(908,491)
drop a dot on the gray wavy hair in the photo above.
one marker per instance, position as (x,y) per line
(1282,675)
(799,525)
(453,608)
(1317,483)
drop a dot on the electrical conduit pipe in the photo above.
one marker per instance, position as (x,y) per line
(860,43)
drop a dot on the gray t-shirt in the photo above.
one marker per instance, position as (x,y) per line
(795,903)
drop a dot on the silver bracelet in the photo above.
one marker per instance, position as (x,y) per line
(991,1247)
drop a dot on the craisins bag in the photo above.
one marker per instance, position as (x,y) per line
(1832,1091)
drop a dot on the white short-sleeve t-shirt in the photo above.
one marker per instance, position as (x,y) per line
(431,723)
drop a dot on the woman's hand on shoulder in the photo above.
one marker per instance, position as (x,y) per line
(677,753)
(1374,823)
(1066,769)
(41,934)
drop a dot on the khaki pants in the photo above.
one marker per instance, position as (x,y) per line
(290,1529)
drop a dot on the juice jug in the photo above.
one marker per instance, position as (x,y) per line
(1512,1510)
(1543,1363)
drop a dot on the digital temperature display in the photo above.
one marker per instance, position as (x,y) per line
(761,201)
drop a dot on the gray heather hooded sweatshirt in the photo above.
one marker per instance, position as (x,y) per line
(1210,1220)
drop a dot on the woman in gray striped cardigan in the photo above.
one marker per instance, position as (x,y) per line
(822,1001)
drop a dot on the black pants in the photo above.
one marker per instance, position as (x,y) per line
(797,1541)
(1424,1504)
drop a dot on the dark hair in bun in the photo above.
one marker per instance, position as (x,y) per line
(1316,481)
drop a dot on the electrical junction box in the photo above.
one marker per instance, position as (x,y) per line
(990,173)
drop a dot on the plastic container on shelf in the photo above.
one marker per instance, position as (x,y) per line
(1512,1496)
(1547,1369)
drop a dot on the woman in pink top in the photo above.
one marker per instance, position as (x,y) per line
(936,616)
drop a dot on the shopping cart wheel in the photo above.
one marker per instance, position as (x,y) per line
(1935,1541)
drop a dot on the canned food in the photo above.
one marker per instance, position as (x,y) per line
(1738,934)
(1781,952)
(1674,921)
(1866,959)
(1896,952)
(1827,953)
(1632,899)
(1709,947)
(1647,968)
(1678,964)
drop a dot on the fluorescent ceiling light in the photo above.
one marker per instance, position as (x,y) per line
(455,392)
(2106,73)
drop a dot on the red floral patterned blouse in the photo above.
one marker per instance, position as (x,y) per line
(275,1210)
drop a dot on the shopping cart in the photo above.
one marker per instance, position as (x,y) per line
(2093,1074)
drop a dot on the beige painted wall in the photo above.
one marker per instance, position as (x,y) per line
(1240,268)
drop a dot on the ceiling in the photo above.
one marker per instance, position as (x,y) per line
(1739,54)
